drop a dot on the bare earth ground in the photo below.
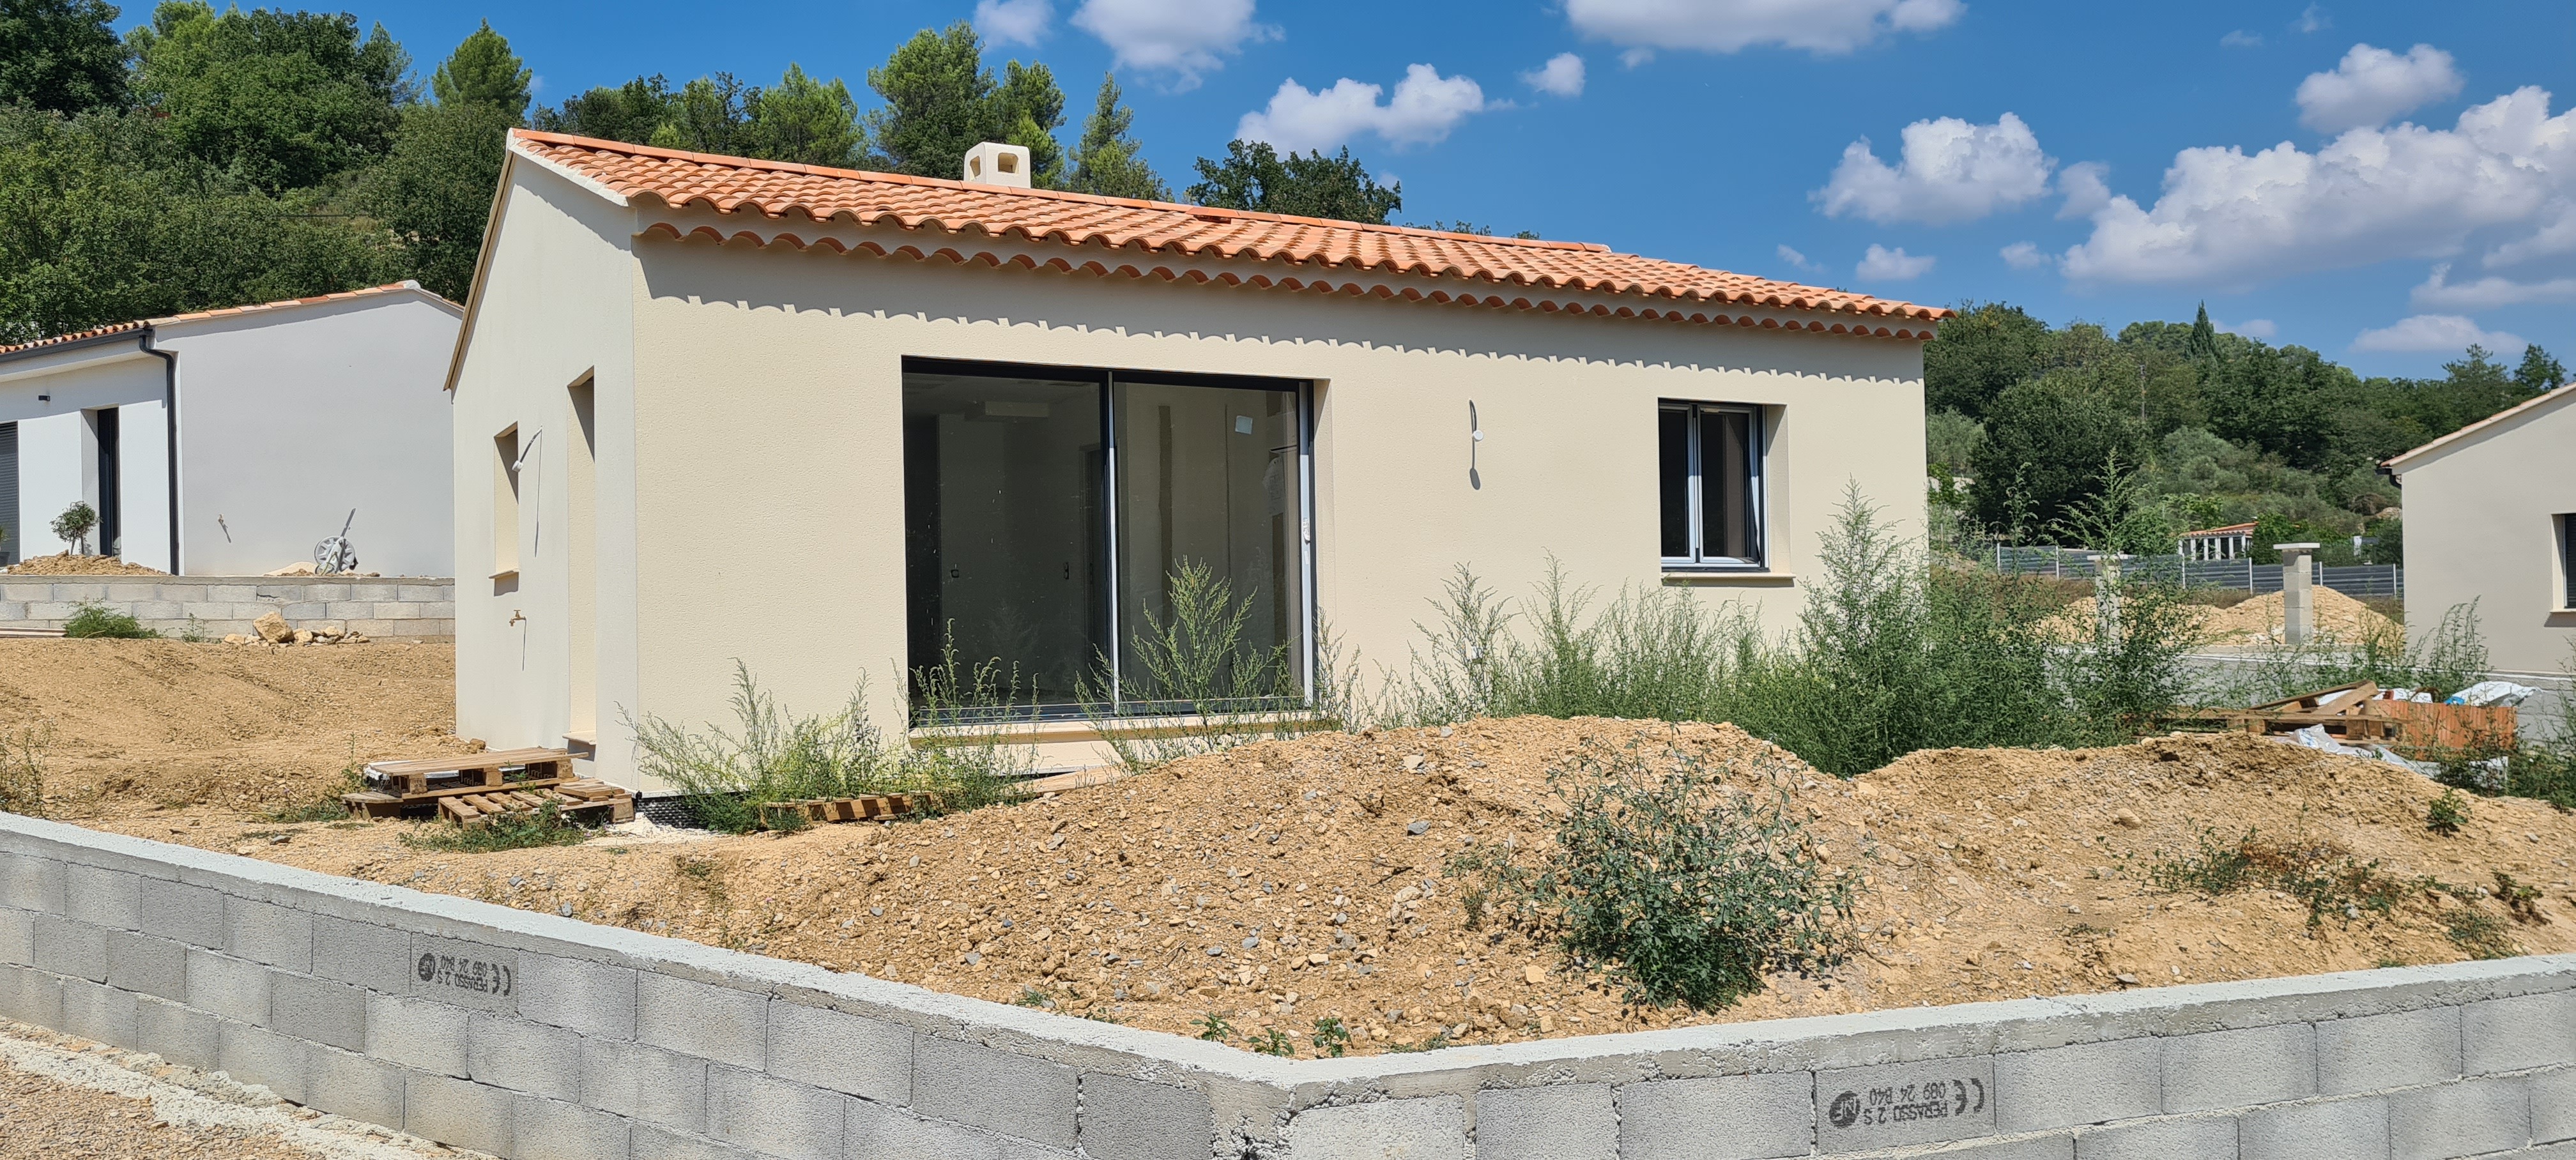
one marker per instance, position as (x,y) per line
(1283,882)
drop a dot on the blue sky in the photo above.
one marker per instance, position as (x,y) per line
(2304,168)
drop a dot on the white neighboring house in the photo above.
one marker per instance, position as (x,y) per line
(2491,518)
(229,442)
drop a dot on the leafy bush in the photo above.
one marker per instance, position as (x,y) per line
(779,757)
(2321,874)
(22,768)
(73,526)
(1693,887)
(98,621)
(524,830)
(1195,660)
(2447,814)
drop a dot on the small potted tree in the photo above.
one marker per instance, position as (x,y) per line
(73,526)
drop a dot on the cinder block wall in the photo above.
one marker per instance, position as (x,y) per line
(379,606)
(532,1036)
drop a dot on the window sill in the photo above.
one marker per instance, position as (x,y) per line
(1747,577)
(505,574)
(1080,729)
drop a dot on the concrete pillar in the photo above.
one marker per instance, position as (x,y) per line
(2298,599)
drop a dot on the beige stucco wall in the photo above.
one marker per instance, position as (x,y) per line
(2480,526)
(766,471)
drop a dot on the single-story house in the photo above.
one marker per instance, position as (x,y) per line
(827,422)
(2233,542)
(230,442)
(2488,514)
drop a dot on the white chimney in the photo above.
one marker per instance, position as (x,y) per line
(992,163)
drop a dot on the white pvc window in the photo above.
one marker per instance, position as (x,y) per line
(1709,465)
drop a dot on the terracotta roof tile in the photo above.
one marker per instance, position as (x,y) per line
(1462,267)
(197,315)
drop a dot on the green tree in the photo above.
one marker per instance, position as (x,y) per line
(484,71)
(2043,453)
(1253,176)
(802,120)
(1978,353)
(1026,110)
(707,116)
(629,112)
(60,55)
(2203,345)
(2538,371)
(940,101)
(1108,161)
(433,192)
(283,100)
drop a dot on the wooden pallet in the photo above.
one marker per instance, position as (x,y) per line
(584,801)
(850,809)
(409,788)
(2356,712)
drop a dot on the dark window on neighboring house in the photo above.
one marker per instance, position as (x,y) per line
(9,546)
(111,481)
(2567,560)
(1710,460)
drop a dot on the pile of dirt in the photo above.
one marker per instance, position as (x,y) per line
(67,564)
(2259,620)
(1291,881)
(146,726)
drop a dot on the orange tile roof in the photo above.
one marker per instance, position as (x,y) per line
(1464,267)
(198,315)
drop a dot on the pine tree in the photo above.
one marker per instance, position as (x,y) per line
(483,71)
(803,120)
(707,116)
(1026,110)
(940,102)
(2203,344)
(629,112)
(1108,161)
(2538,371)
(1253,176)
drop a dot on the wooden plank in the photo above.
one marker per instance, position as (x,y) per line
(466,790)
(455,809)
(470,761)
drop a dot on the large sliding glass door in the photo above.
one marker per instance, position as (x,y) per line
(1050,511)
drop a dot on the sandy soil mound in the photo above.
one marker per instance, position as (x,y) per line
(146,725)
(1294,880)
(2258,621)
(66,564)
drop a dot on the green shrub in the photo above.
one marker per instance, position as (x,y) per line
(22,768)
(526,829)
(2447,814)
(1195,659)
(1692,887)
(98,621)
(2331,882)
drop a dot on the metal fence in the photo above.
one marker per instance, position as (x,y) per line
(2356,580)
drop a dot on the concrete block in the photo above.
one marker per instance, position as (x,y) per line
(228,987)
(2196,1138)
(347,610)
(523,1057)
(182,913)
(458,1112)
(268,934)
(648,1142)
(354,1086)
(876,1130)
(1559,1122)
(2553,1106)
(2234,1069)
(76,949)
(112,899)
(1900,1104)
(128,593)
(318,1010)
(12,611)
(396,610)
(984,1088)
(140,962)
(2459,1119)
(176,1033)
(374,957)
(714,1023)
(543,1129)
(324,592)
(589,998)
(94,1011)
(17,938)
(1423,1129)
(2376,1052)
(22,593)
(233,593)
(2087,1083)
(417,1033)
(258,1055)
(772,1116)
(302,610)
(31,996)
(424,593)
(2057,1146)
(56,611)
(1736,1117)
(1125,1119)
(2520,1033)
(844,1052)
(466,974)
(378,629)
(2349,1127)
(645,1083)
(152,610)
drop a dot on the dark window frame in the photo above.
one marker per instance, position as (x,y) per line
(1693,502)
(2567,561)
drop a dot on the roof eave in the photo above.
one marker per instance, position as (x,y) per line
(2520,412)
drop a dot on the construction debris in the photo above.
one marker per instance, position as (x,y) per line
(2362,712)
(475,788)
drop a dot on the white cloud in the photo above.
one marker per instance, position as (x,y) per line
(1561,76)
(2373,85)
(2444,333)
(2024,256)
(2086,187)
(2240,39)
(1425,107)
(1949,171)
(2261,328)
(1183,37)
(1798,260)
(1013,21)
(2313,19)
(1820,26)
(2228,219)
(1881,264)
(2438,292)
